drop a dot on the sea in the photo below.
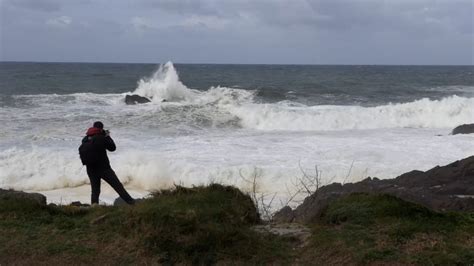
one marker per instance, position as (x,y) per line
(262,128)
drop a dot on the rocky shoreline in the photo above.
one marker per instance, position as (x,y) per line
(446,188)
(12,194)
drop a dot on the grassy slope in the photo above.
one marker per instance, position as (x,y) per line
(366,229)
(213,224)
(198,225)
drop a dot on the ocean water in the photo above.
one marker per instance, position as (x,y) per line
(228,123)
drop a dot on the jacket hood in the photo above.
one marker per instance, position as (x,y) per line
(93,131)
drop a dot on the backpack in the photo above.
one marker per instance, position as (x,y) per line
(88,152)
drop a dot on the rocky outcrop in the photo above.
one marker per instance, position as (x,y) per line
(135,99)
(447,188)
(12,194)
(463,129)
(119,202)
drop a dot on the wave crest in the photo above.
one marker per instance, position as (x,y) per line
(425,113)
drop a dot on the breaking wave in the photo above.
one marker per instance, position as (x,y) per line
(425,113)
(231,107)
(292,116)
(164,85)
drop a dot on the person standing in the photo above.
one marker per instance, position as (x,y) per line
(93,154)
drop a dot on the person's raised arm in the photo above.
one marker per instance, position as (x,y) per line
(109,143)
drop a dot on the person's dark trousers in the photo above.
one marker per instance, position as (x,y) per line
(95,174)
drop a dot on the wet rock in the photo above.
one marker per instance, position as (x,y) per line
(464,129)
(446,188)
(136,99)
(12,194)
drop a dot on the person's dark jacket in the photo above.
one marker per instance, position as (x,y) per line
(101,143)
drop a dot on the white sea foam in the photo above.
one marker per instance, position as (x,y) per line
(155,163)
(424,113)
(39,169)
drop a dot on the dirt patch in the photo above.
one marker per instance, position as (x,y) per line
(295,231)
(420,242)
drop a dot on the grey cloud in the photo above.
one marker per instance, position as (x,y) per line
(61,22)
(202,7)
(37,5)
(369,15)
(241,31)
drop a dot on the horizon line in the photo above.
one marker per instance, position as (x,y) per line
(261,64)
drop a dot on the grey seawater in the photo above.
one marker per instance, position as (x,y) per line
(310,85)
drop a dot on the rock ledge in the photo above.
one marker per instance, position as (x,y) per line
(446,188)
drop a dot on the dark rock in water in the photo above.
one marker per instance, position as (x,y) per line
(464,129)
(134,99)
(12,194)
(446,188)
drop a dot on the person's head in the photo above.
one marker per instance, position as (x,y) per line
(99,124)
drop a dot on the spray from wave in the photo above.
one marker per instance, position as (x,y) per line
(164,84)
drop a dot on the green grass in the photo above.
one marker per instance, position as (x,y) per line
(366,229)
(213,224)
(200,225)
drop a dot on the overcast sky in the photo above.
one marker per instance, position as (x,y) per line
(239,31)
